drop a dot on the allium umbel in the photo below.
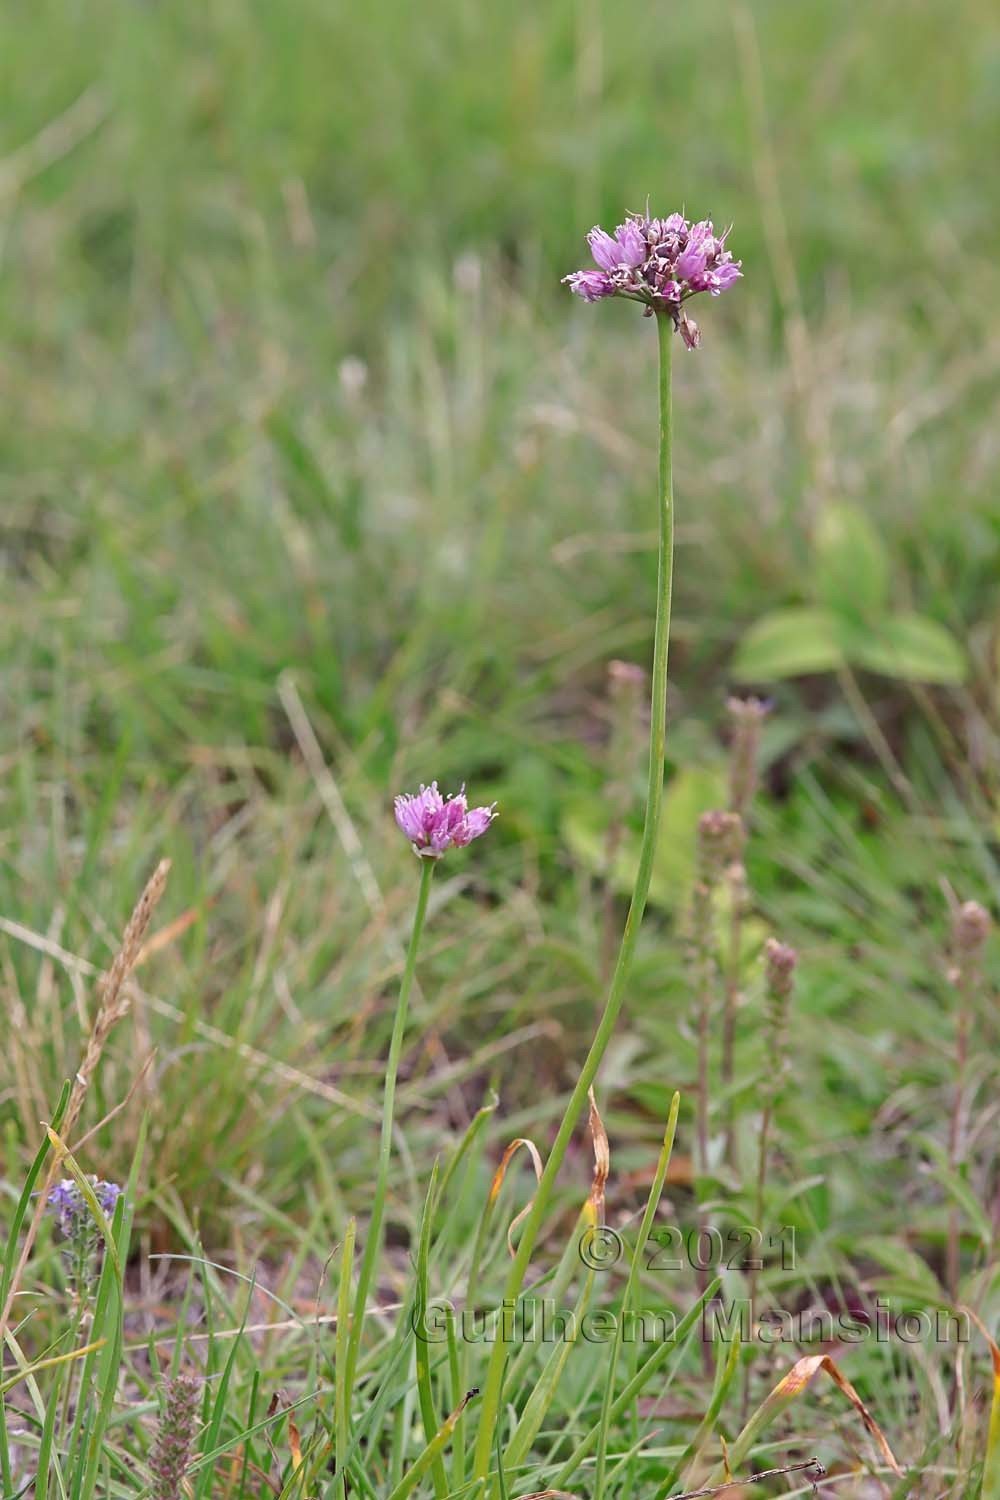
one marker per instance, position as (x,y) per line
(661,263)
(433,823)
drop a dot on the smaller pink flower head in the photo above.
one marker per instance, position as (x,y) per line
(433,823)
(660,263)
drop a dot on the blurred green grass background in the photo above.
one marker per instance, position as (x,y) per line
(291,386)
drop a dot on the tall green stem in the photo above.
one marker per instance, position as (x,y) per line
(626,953)
(374,1236)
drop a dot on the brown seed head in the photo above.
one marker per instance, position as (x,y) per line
(720,841)
(970,929)
(747,715)
(779,963)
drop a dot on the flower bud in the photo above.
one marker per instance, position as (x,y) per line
(747,715)
(970,930)
(779,965)
(720,842)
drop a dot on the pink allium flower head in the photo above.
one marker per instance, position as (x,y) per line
(660,263)
(433,823)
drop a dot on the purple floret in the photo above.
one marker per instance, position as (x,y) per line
(590,285)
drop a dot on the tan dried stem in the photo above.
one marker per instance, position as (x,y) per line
(500,1174)
(602,1159)
(112,1006)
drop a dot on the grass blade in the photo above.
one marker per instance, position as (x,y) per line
(20,1212)
(642,1376)
(433,1451)
(425,1390)
(342,1394)
(631,1286)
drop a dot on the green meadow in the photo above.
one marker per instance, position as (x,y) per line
(318,485)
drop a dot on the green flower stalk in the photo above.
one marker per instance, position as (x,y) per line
(432,824)
(659,263)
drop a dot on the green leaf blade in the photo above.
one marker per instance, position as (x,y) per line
(788,643)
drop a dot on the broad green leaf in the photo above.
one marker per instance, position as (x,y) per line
(852,566)
(788,643)
(691,791)
(913,648)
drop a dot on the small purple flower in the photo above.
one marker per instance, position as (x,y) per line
(591,285)
(81,1235)
(625,249)
(661,231)
(433,823)
(725,276)
(604,249)
(694,258)
(632,238)
(65,1200)
(108,1194)
(70,1207)
(660,263)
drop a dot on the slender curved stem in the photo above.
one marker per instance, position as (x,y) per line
(374,1236)
(619,979)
